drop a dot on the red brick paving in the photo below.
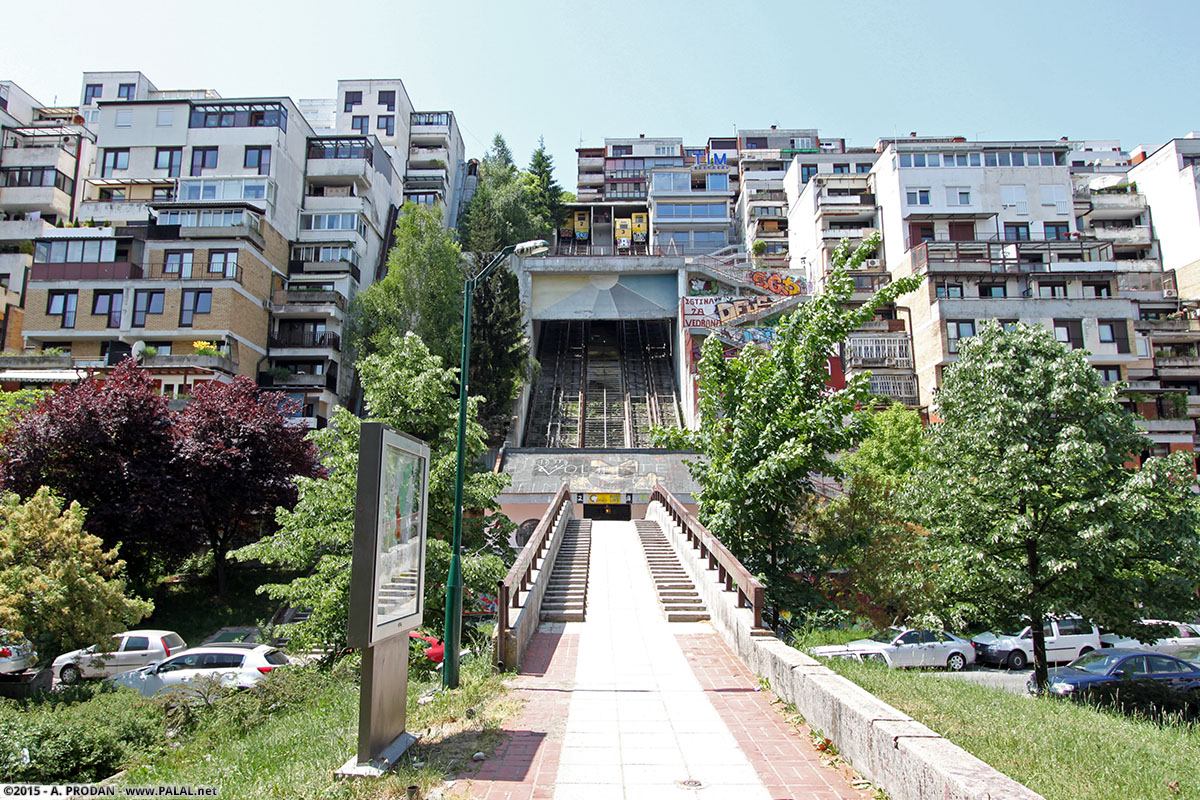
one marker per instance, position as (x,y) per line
(525,765)
(782,754)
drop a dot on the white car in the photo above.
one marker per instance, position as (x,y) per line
(235,664)
(1066,640)
(16,653)
(906,647)
(125,651)
(1181,635)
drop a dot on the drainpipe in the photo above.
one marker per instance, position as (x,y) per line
(916,379)
(75,177)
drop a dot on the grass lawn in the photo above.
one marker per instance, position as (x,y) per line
(292,753)
(1060,749)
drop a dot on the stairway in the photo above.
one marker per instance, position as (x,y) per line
(677,595)
(566,594)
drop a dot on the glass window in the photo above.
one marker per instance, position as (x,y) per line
(1056,231)
(949,290)
(906,159)
(108,304)
(203,158)
(388,99)
(1052,290)
(92,92)
(957,330)
(807,171)
(1107,332)
(146,302)
(258,157)
(993,290)
(170,159)
(917,197)
(125,92)
(1016,231)
(841,169)
(62,304)
(114,159)
(717,182)
(1018,159)
(352,99)
(861,168)
(387,124)
(223,262)
(194,301)
(133,643)
(360,124)
(178,262)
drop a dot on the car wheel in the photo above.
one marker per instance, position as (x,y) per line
(1084,650)
(69,674)
(1017,660)
(957,662)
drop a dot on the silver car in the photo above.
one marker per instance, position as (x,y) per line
(235,664)
(16,653)
(125,651)
(907,647)
(1180,636)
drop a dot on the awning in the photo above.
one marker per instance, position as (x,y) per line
(43,375)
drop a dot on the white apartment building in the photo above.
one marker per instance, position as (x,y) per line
(1169,180)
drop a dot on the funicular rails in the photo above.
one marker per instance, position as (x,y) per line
(554,412)
(604,396)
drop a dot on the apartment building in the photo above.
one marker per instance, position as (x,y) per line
(1168,178)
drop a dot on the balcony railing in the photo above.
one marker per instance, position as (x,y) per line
(85,271)
(292,338)
(301,297)
(902,388)
(887,351)
(1013,256)
(160,271)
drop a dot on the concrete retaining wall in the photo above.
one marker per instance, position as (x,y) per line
(525,623)
(892,750)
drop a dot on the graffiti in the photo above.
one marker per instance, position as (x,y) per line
(699,287)
(714,312)
(775,283)
(730,309)
(763,336)
(534,473)
(700,312)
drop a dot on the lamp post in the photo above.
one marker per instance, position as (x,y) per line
(452,635)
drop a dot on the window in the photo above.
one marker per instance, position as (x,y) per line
(108,304)
(160,193)
(221,661)
(259,158)
(1116,331)
(194,301)
(165,118)
(90,251)
(949,290)
(861,168)
(1069,332)
(1013,196)
(841,169)
(124,118)
(917,197)
(333,222)
(170,159)
(352,99)
(125,91)
(1107,334)
(1055,195)
(1109,374)
(360,124)
(1097,289)
(114,160)
(958,196)
(807,171)
(1008,324)
(214,218)
(91,93)
(62,304)
(146,302)
(1052,290)
(1056,231)
(178,262)
(993,290)
(957,330)
(223,262)
(1016,231)
(622,150)
(388,99)
(203,158)
(717,182)
(664,150)
(387,124)
(258,115)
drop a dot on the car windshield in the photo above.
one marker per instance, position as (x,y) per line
(1095,662)
(886,636)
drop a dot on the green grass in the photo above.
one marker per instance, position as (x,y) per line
(804,639)
(1060,749)
(193,609)
(292,753)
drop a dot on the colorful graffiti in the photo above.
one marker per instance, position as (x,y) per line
(712,312)
(778,283)
(700,287)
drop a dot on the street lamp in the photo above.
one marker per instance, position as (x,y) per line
(452,636)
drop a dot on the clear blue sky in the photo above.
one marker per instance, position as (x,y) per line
(585,70)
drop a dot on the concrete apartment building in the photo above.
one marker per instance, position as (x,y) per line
(230,222)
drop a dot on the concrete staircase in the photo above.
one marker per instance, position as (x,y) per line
(677,595)
(566,594)
(397,593)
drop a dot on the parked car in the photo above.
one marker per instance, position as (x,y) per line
(1181,635)
(16,653)
(906,647)
(125,651)
(1189,653)
(1116,664)
(1066,640)
(235,664)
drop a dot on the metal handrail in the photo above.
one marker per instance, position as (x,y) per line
(731,572)
(517,579)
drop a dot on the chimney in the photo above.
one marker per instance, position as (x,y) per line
(772,127)
(641,136)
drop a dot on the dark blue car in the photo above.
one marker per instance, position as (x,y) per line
(1116,664)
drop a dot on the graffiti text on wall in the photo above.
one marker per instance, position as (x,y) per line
(776,283)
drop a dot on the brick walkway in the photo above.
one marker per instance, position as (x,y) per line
(626,706)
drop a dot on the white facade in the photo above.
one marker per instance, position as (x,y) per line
(1169,180)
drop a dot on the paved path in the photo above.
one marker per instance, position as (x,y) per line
(627,706)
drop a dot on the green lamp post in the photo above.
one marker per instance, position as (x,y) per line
(452,636)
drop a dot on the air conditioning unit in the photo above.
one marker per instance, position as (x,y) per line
(1169,293)
(873,262)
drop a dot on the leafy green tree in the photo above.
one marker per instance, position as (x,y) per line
(14,404)
(408,388)
(1031,506)
(58,585)
(422,291)
(547,194)
(769,422)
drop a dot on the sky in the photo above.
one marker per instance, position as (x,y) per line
(577,72)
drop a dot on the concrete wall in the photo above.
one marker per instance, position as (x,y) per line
(524,623)
(906,759)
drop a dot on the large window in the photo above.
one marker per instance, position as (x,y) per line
(36,176)
(92,92)
(917,197)
(227,189)
(108,304)
(62,304)
(957,330)
(717,182)
(325,253)
(178,262)
(125,91)
(807,171)
(170,159)
(255,115)
(259,158)
(672,182)
(386,124)
(690,210)
(1056,230)
(194,301)
(1016,231)
(76,251)
(223,262)
(360,124)
(948,290)
(1069,331)
(203,158)
(146,302)
(352,99)
(993,290)
(114,159)
(1115,331)
(209,218)
(333,222)
(388,99)
(1052,291)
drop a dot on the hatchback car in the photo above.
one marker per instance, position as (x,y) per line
(125,651)
(1066,639)
(1178,636)
(906,647)
(16,653)
(237,665)
(1113,665)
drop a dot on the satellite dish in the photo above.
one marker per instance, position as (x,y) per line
(136,351)
(78,119)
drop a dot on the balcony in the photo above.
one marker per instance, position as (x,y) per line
(848,233)
(306,339)
(281,300)
(187,362)
(358,170)
(115,211)
(1137,236)
(430,157)
(157,271)
(901,388)
(300,267)
(1166,325)
(591,163)
(1177,362)
(425,179)
(1114,205)
(60,158)
(1182,425)
(86,271)
(429,125)
(837,201)
(18,229)
(45,199)
(1013,256)
(35,361)
(865,352)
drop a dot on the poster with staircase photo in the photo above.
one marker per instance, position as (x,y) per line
(398,576)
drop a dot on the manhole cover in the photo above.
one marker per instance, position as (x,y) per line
(691,783)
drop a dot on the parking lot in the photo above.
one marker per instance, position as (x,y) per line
(1011,680)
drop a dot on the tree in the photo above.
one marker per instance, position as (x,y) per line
(769,422)
(547,208)
(108,445)
(1030,503)
(422,291)
(58,585)
(238,458)
(408,388)
(13,405)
